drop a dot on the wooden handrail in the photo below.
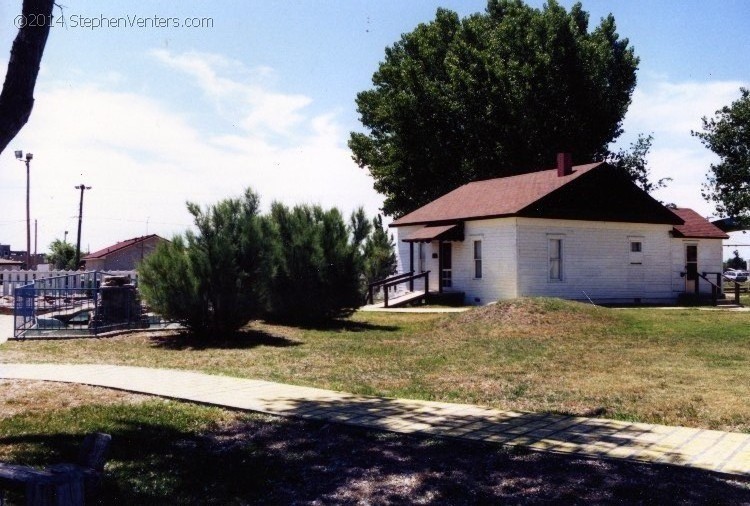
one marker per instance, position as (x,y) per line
(390,278)
(720,275)
(412,277)
(715,288)
(370,298)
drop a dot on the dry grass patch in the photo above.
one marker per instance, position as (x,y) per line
(681,367)
(26,396)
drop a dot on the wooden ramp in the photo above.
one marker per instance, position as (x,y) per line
(400,300)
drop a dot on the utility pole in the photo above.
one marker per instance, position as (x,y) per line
(29,157)
(80,218)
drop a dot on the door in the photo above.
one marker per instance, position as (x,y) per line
(691,268)
(446,271)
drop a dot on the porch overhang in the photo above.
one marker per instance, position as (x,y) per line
(428,233)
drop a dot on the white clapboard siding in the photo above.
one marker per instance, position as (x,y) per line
(596,260)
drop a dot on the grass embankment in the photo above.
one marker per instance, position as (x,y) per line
(683,367)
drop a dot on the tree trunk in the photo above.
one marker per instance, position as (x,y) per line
(17,97)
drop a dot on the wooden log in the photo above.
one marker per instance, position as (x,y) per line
(42,488)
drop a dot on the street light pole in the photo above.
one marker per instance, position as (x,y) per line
(29,157)
(80,218)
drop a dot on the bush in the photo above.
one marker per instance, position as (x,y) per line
(379,252)
(317,264)
(301,264)
(211,280)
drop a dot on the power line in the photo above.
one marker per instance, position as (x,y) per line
(139,221)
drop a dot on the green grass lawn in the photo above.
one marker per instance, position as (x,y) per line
(682,366)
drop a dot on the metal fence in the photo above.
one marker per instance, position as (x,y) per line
(84,303)
(10,280)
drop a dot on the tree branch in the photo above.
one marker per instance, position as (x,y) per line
(17,96)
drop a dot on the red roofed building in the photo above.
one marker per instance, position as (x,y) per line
(123,256)
(576,232)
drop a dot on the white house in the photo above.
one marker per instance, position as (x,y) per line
(10,265)
(578,232)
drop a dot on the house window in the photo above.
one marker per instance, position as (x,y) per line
(420,263)
(636,250)
(477,259)
(555,260)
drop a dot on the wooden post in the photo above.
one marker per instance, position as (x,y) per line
(737,293)
(714,295)
(427,283)
(385,295)
(411,265)
(440,266)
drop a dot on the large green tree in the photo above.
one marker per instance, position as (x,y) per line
(490,95)
(728,135)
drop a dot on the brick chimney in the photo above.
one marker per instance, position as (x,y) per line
(564,164)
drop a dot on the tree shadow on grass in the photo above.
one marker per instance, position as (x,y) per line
(335,325)
(269,460)
(240,340)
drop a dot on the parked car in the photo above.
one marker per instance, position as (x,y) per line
(735,275)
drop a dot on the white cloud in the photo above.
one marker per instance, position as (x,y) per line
(674,109)
(240,91)
(670,110)
(144,159)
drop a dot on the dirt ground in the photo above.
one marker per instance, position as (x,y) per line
(336,464)
(286,461)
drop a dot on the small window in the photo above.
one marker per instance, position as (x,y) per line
(421,263)
(691,253)
(477,259)
(555,260)
(636,252)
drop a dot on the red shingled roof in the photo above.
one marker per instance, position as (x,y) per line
(102,253)
(493,197)
(696,226)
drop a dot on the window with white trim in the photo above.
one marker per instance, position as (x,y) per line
(420,262)
(635,254)
(477,259)
(555,246)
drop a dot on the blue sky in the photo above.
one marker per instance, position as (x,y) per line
(152,117)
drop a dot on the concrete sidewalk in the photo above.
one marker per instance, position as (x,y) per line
(712,450)
(6,327)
